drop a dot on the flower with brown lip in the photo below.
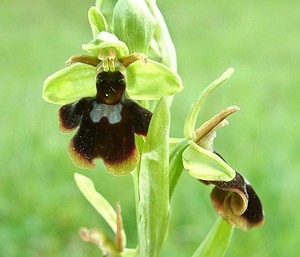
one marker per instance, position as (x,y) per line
(107,125)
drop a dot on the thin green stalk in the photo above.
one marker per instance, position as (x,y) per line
(176,165)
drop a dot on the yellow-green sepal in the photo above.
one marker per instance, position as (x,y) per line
(70,84)
(103,42)
(205,165)
(97,21)
(151,80)
(106,8)
(190,121)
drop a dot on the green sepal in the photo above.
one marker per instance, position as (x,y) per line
(102,44)
(151,80)
(106,8)
(97,21)
(154,183)
(134,24)
(190,121)
(101,205)
(205,165)
(217,241)
(70,84)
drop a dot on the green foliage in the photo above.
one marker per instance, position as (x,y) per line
(87,188)
(217,241)
(154,184)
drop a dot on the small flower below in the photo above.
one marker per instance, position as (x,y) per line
(107,125)
(233,197)
(237,202)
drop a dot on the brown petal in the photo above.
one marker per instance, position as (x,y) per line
(70,114)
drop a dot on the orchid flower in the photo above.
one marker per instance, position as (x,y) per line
(97,92)
(233,197)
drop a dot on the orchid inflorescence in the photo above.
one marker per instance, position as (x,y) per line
(123,88)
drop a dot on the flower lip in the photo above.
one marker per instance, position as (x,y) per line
(237,202)
(110,87)
(105,132)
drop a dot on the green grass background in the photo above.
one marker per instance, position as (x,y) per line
(41,210)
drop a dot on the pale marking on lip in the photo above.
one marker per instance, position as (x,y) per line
(111,112)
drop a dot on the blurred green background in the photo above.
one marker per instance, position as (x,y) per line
(41,210)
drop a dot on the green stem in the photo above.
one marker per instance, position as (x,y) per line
(176,165)
(154,184)
(136,178)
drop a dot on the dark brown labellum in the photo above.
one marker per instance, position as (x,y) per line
(237,202)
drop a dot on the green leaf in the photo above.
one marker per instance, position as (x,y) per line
(151,80)
(154,184)
(70,84)
(102,44)
(205,165)
(217,241)
(176,165)
(97,21)
(134,24)
(101,205)
(190,121)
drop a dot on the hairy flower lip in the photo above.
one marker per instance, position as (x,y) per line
(113,142)
(237,202)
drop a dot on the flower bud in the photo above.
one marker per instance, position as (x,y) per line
(134,24)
